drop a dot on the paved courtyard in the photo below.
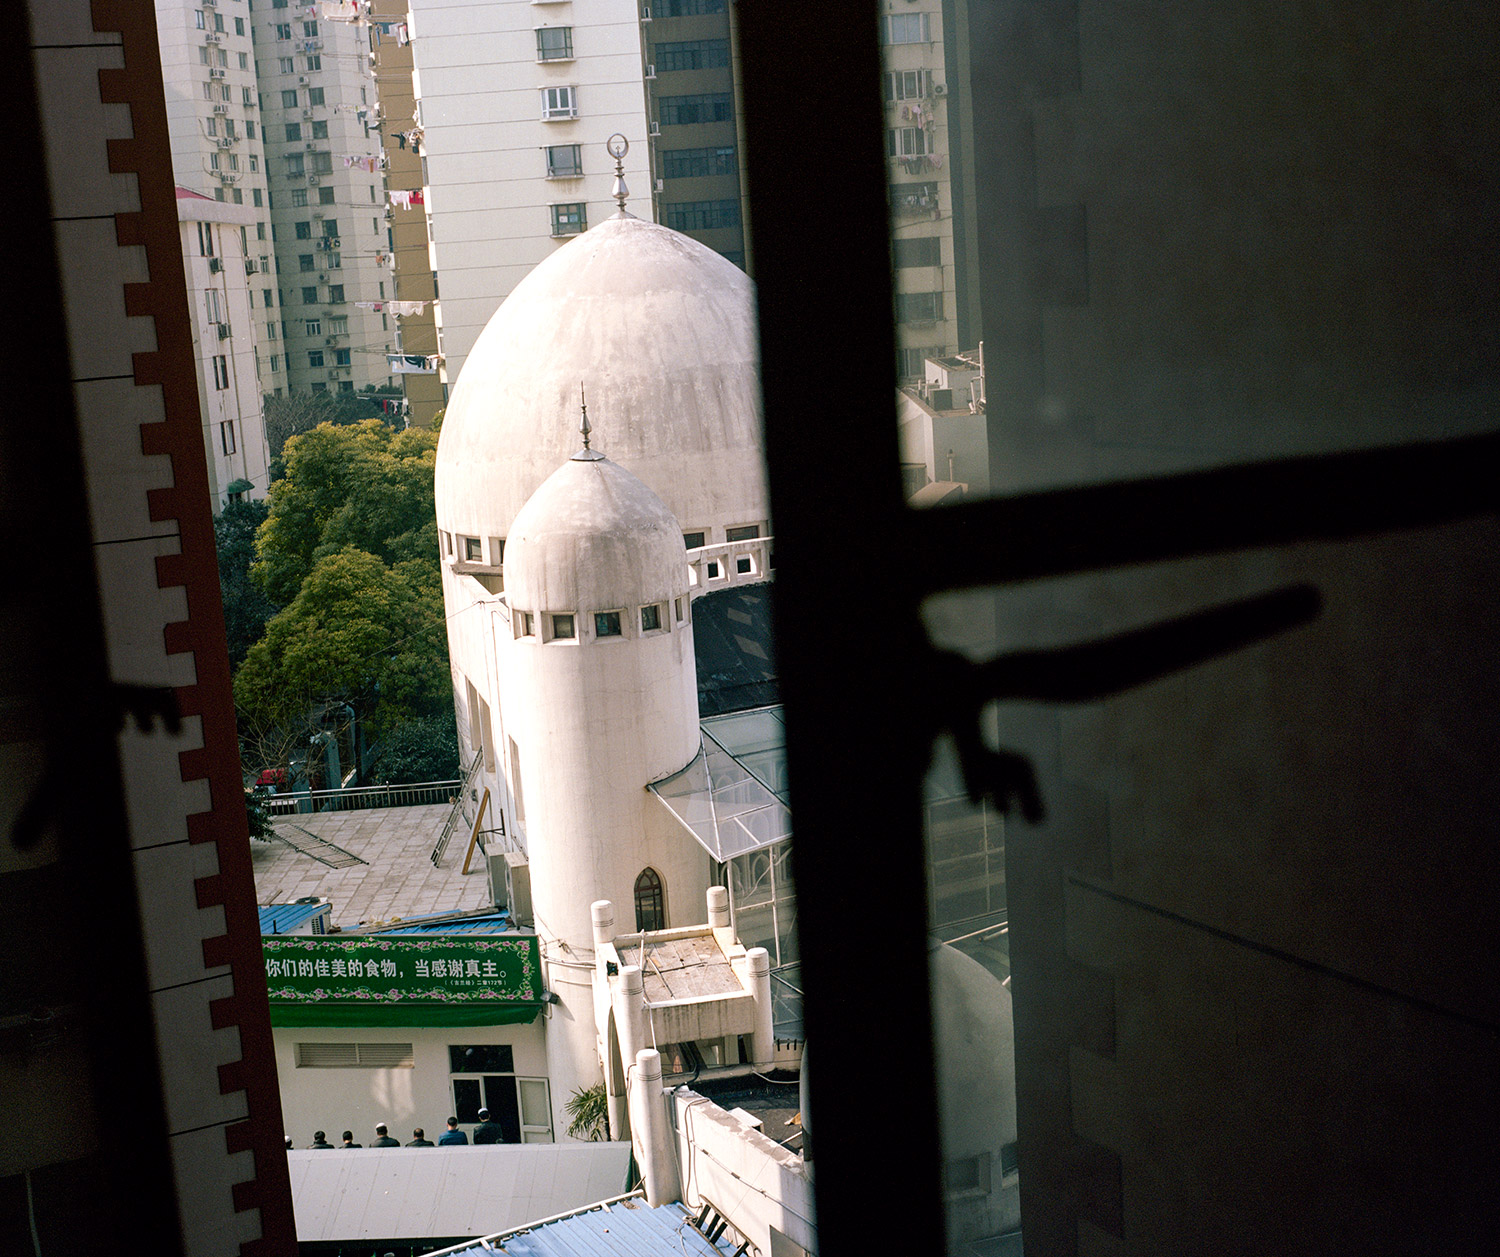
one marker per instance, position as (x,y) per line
(396,878)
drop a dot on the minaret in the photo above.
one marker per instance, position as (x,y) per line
(600,700)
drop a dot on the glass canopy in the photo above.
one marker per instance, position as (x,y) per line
(733,795)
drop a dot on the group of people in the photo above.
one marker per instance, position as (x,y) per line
(487,1132)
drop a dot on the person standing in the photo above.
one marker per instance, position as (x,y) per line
(349,1140)
(488,1132)
(320,1140)
(452,1136)
(419,1140)
(383,1137)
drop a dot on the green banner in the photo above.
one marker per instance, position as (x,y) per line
(370,980)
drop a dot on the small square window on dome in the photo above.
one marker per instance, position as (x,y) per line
(606,624)
(650,619)
(563,627)
(525,624)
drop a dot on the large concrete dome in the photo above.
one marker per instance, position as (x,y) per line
(661,332)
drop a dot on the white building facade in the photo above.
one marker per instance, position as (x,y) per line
(215,238)
(218,150)
(516,103)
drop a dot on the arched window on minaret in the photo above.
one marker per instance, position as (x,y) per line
(650,907)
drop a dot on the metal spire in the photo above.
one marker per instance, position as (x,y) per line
(585,455)
(617,146)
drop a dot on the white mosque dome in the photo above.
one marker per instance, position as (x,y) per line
(975,1041)
(594,538)
(661,333)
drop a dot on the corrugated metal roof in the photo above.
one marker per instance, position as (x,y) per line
(283,918)
(493,924)
(434,1193)
(626,1228)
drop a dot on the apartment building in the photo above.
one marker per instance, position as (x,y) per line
(925,60)
(517,101)
(221,272)
(213,117)
(327,194)
(415,316)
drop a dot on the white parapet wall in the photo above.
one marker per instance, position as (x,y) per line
(759,1187)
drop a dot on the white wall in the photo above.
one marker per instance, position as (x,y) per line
(229,395)
(752,1181)
(335,1100)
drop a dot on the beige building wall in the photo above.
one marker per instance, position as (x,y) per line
(414,281)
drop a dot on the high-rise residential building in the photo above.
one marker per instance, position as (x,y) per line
(317,97)
(517,102)
(221,275)
(925,66)
(415,314)
(213,117)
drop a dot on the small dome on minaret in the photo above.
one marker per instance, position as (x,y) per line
(594,537)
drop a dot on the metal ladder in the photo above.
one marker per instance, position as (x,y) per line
(458,808)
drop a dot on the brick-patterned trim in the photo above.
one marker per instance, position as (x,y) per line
(163,298)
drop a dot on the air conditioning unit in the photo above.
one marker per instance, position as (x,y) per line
(213,37)
(307,113)
(313,179)
(333,373)
(328,340)
(333,242)
(661,185)
(308,146)
(650,71)
(215,265)
(223,331)
(216,72)
(302,78)
(225,141)
(221,108)
(250,266)
(939,89)
(655,129)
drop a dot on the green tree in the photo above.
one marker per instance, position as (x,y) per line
(359,485)
(588,1113)
(357,632)
(424,749)
(246,607)
(294,413)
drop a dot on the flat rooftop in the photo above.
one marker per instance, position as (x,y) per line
(682,968)
(370,865)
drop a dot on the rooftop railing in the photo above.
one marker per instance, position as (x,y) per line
(357,798)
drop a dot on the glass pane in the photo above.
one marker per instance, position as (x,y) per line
(535,1108)
(466,1102)
(500,1099)
(488,1058)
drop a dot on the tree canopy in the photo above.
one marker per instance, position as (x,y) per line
(348,549)
(359,485)
(358,631)
(246,607)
